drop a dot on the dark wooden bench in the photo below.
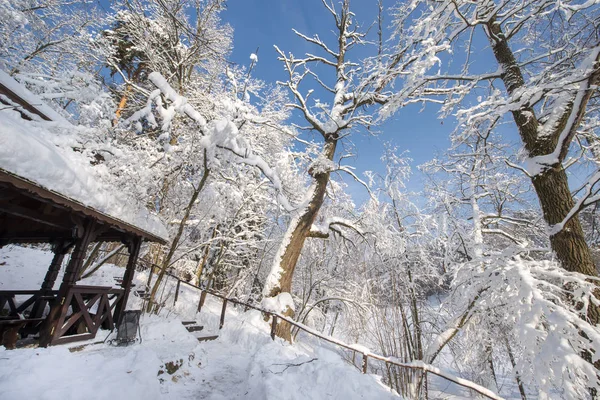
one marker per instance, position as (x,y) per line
(9,330)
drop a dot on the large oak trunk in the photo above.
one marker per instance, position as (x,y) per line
(551,186)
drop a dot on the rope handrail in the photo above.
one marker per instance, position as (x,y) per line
(415,365)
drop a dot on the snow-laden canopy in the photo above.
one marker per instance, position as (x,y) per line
(31,99)
(29,150)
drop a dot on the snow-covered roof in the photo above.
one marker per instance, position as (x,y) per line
(30,151)
(17,95)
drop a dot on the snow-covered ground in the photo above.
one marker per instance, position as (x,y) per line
(242,363)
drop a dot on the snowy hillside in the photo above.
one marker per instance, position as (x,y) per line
(242,363)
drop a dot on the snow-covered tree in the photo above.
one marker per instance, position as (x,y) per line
(545,55)
(348,96)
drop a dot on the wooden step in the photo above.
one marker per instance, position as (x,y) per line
(194,328)
(207,338)
(188,322)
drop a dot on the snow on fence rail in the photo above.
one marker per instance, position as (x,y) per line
(415,365)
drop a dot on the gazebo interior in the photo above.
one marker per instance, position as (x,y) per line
(30,213)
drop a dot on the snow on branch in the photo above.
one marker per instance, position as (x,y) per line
(573,109)
(292,85)
(503,233)
(223,134)
(322,231)
(536,299)
(316,40)
(590,196)
(349,170)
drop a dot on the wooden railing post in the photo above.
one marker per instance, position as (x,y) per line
(202,300)
(273,326)
(223,313)
(364,363)
(177,291)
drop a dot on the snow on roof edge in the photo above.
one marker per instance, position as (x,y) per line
(69,199)
(30,152)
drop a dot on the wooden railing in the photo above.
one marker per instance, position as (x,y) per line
(77,321)
(276,317)
(8,297)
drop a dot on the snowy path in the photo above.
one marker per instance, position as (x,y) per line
(242,363)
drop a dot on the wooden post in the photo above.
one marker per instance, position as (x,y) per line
(134,251)
(223,313)
(364,363)
(202,299)
(273,326)
(177,291)
(71,274)
(60,249)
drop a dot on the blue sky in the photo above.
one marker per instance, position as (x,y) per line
(264,23)
(413,129)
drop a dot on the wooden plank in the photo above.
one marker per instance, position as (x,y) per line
(88,289)
(194,328)
(23,103)
(9,293)
(104,313)
(12,305)
(60,249)
(34,215)
(12,322)
(134,252)
(188,322)
(73,338)
(207,338)
(25,305)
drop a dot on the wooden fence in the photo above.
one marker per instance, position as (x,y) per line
(276,317)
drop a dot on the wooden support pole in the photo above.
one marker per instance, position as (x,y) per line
(134,252)
(71,273)
(79,252)
(364,363)
(59,255)
(177,291)
(273,326)
(60,249)
(202,300)
(223,313)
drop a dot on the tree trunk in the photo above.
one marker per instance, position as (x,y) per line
(282,272)
(175,243)
(122,104)
(551,186)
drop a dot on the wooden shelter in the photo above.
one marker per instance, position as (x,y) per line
(32,213)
